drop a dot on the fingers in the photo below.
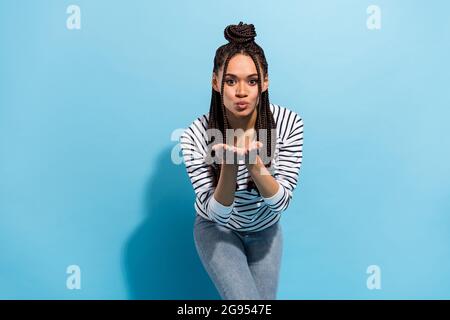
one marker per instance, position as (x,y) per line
(247,142)
(241,151)
(256,145)
(219,146)
(248,146)
(224,151)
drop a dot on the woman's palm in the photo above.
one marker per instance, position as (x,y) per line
(239,151)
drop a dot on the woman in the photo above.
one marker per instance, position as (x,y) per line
(243,160)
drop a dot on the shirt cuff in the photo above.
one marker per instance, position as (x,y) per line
(276,197)
(219,208)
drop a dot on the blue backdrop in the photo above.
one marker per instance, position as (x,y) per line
(87,114)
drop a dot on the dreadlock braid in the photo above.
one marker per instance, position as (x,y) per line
(222,105)
(241,33)
(240,41)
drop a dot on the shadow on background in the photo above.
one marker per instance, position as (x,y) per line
(160,258)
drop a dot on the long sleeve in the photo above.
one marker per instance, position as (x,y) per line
(286,171)
(201,178)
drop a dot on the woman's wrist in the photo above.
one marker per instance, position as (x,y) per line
(229,167)
(257,164)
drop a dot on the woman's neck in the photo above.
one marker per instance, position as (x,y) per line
(244,123)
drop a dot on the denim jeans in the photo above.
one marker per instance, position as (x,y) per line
(242,265)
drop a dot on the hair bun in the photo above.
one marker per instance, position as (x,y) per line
(241,33)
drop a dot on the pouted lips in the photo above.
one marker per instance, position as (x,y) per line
(242,105)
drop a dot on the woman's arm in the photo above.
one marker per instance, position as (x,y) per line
(224,193)
(286,172)
(266,184)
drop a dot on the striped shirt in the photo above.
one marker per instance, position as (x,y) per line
(250,211)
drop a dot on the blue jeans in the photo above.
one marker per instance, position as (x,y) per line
(242,265)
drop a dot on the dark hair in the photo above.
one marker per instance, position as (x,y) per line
(241,40)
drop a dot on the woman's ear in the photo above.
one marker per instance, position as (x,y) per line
(265,85)
(215,82)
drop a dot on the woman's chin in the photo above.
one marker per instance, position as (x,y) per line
(240,112)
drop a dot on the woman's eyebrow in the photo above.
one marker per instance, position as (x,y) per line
(235,76)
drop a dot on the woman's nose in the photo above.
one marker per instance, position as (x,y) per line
(241,90)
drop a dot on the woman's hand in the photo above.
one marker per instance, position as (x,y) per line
(221,150)
(247,153)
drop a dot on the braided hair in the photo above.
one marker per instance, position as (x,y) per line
(241,40)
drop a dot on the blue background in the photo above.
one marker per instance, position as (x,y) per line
(86,118)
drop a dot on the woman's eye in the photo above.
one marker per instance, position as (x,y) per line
(232,81)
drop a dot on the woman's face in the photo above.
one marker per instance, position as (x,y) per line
(240,90)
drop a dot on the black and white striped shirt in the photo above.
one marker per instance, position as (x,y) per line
(250,211)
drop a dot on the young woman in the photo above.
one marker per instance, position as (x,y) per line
(240,197)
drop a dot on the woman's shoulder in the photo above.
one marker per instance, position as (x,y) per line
(283,114)
(201,122)
(197,129)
